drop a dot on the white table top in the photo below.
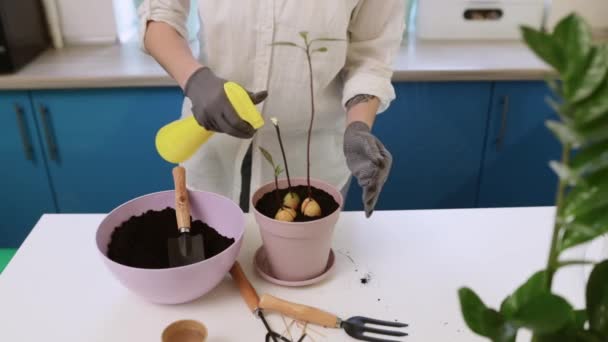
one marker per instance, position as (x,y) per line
(57,289)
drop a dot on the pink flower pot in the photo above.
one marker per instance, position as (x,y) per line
(297,251)
(177,284)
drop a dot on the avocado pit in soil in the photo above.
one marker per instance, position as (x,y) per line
(142,241)
(268,206)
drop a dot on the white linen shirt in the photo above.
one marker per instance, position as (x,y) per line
(235,39)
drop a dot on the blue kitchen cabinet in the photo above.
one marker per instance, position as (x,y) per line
(100,144)
(26,191)
(435,132)
(519,147)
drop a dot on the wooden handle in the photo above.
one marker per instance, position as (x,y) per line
(299,311)
(247,291)
(182,203)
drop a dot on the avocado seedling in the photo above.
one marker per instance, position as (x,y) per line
(291,199)
(310,207)
(284,213)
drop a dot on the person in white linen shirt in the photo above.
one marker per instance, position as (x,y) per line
(352,83)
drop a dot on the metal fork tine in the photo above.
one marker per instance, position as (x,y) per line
(373,339)
(384,323)
(384,332)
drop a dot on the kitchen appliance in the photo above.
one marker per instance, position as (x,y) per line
(23,33)
(477,19)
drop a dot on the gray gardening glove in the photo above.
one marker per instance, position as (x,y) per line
(368,160)
(211,107)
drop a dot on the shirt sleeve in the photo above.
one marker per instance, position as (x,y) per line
(172,12)
(375,34)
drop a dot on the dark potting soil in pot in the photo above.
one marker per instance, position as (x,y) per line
(268,206)
(141,241)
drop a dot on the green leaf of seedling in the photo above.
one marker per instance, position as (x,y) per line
(267,156)
(278,170)
(533,287)
(565,134)
(543,314)
(286,44)
(597,299)
(482,320)
(321,49)
(304,35)
(545,47)
(564,172)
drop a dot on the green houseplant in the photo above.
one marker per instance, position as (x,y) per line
(581,101)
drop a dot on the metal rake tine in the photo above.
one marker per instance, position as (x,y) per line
(384,332)
(384,323)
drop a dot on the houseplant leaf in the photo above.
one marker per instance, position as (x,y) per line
(591,159)
(584,199)
(597,298)
(564,172)
(596,132)
(594,107)
(484,321)
(573,35)
(589,75)
(530,289)
(545,47)
(584,228)
(321,49)
(544,313)
(564,134)
(573,331)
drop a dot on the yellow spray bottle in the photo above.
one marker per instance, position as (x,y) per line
(179,140)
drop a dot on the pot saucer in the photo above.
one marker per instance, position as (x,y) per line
(260,262)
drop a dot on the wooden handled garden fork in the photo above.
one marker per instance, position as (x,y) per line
(357,327)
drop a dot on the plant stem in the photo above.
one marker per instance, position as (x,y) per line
(574,262)
(284,157)
(312,117)
(276,185)
(552,262)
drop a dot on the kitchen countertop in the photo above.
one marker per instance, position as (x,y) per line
(127,66)
(57,289)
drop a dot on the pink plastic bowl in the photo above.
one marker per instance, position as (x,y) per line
(179,284)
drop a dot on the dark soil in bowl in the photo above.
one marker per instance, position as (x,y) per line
(141,241)
(268,206)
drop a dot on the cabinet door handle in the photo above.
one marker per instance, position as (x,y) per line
(503,122)
(48,133)
(28,149)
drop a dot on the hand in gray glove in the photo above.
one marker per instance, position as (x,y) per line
(211,107)
(368,160)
